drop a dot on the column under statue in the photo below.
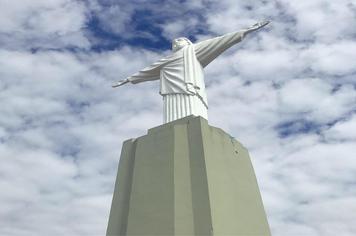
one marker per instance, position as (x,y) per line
(186,177)
(181,73)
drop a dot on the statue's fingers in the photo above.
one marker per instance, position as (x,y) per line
(116,84)
(264,23)
(120,82)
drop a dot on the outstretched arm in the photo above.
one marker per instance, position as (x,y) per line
(149,73)
(208,50)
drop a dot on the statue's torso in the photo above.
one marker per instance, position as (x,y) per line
(176,79)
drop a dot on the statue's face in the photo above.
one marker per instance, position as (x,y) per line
(180,43)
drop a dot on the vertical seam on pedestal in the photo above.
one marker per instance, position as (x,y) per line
(204,172)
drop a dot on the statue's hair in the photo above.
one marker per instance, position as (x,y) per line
(186,39)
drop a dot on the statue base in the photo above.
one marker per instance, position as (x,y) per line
(186,178)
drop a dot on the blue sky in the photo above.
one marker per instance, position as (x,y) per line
(287,93)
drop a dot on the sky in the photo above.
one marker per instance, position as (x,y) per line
(287,93)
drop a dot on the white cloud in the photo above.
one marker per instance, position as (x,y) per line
(62,125)
(343,130)
(321,20)
(286,62)
(115,18)
(332,59)
(313,99)
(41,23)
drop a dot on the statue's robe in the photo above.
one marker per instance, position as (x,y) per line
(182,78)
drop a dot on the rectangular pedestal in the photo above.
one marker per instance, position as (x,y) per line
(186,178)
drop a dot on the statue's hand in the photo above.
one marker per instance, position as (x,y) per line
(257,26)
(120,82)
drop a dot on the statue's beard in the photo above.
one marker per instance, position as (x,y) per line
(178,47)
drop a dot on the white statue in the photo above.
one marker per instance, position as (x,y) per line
(181,73)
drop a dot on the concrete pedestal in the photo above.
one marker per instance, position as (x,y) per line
(186,178)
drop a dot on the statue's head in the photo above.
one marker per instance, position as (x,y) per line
(180,43)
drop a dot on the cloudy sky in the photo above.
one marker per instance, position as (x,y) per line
(287,93)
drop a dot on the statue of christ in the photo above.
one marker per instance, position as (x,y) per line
(181,73)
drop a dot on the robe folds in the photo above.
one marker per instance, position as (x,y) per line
(181,73)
